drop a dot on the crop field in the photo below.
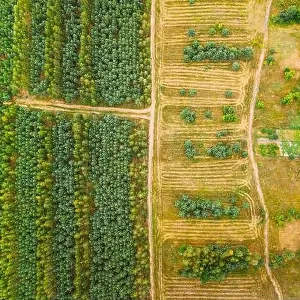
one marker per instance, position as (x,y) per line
(88,52)
(73,202)
(201,86)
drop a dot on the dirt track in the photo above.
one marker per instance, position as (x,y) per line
(251,151)
(84,109)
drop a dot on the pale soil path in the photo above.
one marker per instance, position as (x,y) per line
(151,149)
(252,156)
(73,108)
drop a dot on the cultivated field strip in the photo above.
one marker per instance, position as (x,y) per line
(175,173)
(175,35)
(209,135)
(207,131)
(220,77)
(187,15)
(208,230)
(201,101)
(176,288)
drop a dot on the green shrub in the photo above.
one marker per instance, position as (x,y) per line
(229,114)
(222,133)
(212,31)
(260,104)
(220,29)
(215,262)
(288,16)
(229,94)
(291,96)
(191,32)
(215,52)
(225,32)
(286,216)
(271,133)
(208,114)
(268,150)
(269,60)
(236,66)
(188,115)
(182,92)
(192,92)
(201,208)
(277,260)
(289,74)
(190,150)
(224,150)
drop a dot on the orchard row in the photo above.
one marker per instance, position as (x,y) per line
(92,52)
(73,207)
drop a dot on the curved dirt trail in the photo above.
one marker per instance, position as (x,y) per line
(251,152)
(74,108)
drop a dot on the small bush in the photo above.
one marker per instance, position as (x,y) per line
(192,92)
(229,94)
(288,16)
(208,114)
(196,52)
(215,262)
(271,133)
(229,114)
(236,66)
(212,31)
(268,150)
(191,32)
(182,92)
(289,74)
(188,115)
(270,60)
(201,208)
(291,97)
(223,150)
(190,150)
(222,133)
(260,104)
(225,32)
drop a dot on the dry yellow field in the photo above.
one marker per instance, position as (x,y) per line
(174,174)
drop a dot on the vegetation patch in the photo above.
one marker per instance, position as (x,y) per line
(197,52)
(287,216)
(190,150)
(73,206)
(278,260)
(269,150)
(270,132)
(215,262)
(229,114)
(201,208)
(188,115)
(224,150)
(291,15)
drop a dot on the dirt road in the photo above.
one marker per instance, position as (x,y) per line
(252,156)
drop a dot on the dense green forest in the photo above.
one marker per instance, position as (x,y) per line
(92,52)
(73,213)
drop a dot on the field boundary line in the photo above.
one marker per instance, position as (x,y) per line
(251,151)
(84,109)
(151,147)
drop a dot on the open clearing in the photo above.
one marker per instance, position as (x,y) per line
(174,173)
